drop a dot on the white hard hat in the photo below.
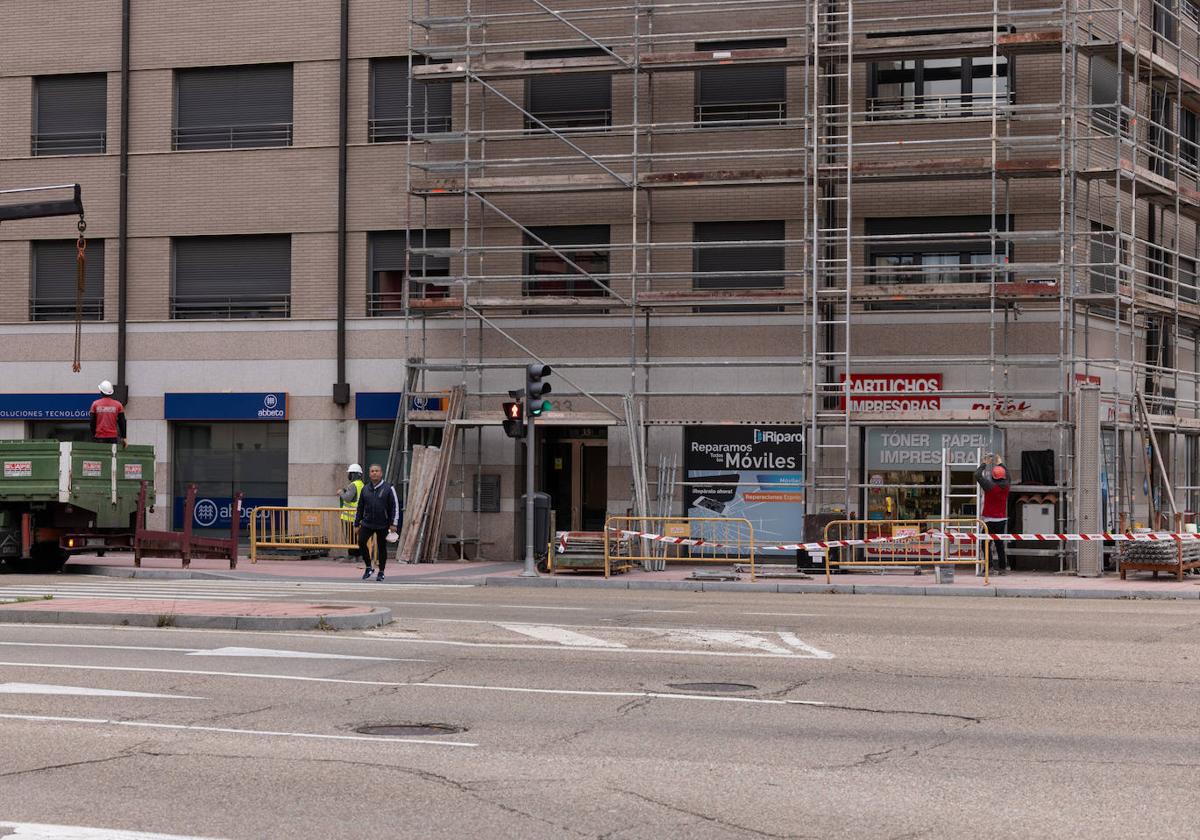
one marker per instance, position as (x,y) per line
(106,388)
(354,468)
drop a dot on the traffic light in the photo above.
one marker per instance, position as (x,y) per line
(514,420)
(535,388)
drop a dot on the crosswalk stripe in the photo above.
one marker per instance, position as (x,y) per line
(730,637)
(560,635)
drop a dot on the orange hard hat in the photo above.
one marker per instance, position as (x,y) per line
(999,473)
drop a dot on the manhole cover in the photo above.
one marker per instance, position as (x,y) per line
(713,686)
(398,729)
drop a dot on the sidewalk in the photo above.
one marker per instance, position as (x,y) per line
(484,573)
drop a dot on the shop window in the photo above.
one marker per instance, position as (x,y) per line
(376,437)
(387,268)
(932,88)
(567,261)
(222,459)
(70,115)
(389,119)
(55,279)
(568,100)
(937,253)
(233,107)
(71,430)
(750,94)
(232,277)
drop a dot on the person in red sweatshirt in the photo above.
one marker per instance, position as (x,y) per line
(107,417)
(992,478)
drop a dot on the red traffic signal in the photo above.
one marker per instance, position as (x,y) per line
(513,411)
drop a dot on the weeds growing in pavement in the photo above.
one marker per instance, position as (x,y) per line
(27,599)
(166,621)
(322,624)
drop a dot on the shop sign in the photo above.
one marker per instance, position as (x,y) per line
(217,511)
(894,391)
(385,405)
(756,473)
(92,469)
(18,469)
(45,406)
(919,448)
(252,405)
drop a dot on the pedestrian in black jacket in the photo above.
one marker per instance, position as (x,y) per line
(378,515)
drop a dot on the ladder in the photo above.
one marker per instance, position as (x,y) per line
(952,493)
(831,135)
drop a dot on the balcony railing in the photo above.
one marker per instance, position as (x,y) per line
(558,120)
(248,136)
(63,309)
(950,106)
(190,307)
(397,130)
(742,114)
(69,143)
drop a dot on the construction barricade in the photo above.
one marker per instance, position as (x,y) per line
(654,541)
(908,542)
(298,529)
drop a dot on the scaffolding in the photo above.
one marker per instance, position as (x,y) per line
(1071,140)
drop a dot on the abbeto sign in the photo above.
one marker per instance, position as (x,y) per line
(45,406)
(252,405)
(216,512)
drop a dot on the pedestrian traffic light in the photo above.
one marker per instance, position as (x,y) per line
(535,388)
(514,420)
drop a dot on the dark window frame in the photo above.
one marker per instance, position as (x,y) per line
(44,307)
(423,268)
(92,141)
(429,120)
(588,255)
(233,136)
(242,306)
(585,119)
(737,111)
(915,107)
(707,279)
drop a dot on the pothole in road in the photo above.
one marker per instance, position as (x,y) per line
(406,729)
(714,687)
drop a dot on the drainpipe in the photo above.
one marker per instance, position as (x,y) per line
(341,388)
(121,390)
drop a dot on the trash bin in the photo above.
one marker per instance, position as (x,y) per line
(541,526)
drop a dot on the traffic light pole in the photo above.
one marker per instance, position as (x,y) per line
(530,569)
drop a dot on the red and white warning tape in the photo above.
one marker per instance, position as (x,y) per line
(953,536)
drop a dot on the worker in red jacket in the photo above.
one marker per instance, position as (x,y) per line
(992,477)
(107,417)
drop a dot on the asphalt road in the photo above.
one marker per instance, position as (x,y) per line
(868,717)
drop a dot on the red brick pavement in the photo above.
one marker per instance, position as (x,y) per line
(182,606)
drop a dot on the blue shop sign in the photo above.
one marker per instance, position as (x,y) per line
(46,406)
(385,405)
(216,511)
(255,405)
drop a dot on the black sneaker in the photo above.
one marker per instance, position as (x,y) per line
(367,574)
(379,578)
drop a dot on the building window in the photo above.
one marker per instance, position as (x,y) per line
(938,252)
(931,88)
(389,102)
(1166,21)
(738,255)
(54,281)
(1189,144)
(232,276)
(1104,259)
(750,94)
(568,100)
(1106,89)
(386,294)
(1158,268)
(1187,280)
(233,107)
(1159,134)
(70,115)
(567,261)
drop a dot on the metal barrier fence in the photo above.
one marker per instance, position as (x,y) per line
(904,542)
(654,541)
(299,528)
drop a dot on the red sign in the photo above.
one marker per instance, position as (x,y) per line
(894,391)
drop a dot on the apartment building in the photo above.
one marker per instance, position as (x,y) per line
(818,246)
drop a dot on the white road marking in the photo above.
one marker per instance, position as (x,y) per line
(41,831)
(148,724)
(83,691)
(791,639)
(228,651)
(283,654)
(729,637)
(786,615)
(454,686)
(661,651)
(559,635)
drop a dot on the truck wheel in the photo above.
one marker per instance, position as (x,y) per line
(47,558)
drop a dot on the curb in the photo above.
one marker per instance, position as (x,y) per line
(188,574)
(377,617)
(993,591)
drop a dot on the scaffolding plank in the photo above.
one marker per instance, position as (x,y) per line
(957,44)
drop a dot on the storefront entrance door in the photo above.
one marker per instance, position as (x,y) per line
(575,474)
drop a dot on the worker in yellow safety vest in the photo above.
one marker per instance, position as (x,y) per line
(349,497)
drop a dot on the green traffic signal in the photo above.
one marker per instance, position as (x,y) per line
(539,407)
